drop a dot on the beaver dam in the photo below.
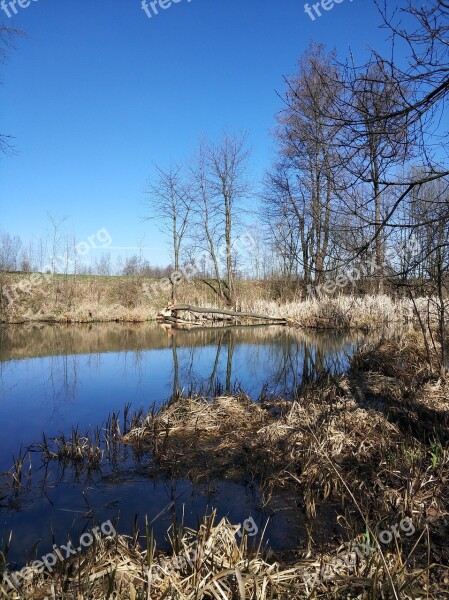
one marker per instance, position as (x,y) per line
(331,482)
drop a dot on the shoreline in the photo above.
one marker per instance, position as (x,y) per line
(374,439)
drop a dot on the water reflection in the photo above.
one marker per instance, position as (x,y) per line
(274,360)
(55,377)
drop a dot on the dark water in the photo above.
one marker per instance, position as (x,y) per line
(55,377)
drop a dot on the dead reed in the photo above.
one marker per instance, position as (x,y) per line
(209,563)
(374,441)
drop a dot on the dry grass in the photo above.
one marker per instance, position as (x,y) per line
(202,439)
(84,451)
(212,562)
(403,358)
(89,298)
(375,441)
(341,312)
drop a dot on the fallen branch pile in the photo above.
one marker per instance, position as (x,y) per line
(199,316)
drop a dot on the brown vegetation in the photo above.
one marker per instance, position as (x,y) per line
(124,299)
(374,442)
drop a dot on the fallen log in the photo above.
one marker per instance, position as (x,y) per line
(170,313)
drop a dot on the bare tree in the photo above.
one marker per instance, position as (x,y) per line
(10,249)
(387,115)
(428,222)
(219,184)
(374,146)
(426,74)
(228,167)
(169,202)
(56,236)
(206,233)
(104,264)
(300,188)
(7,36)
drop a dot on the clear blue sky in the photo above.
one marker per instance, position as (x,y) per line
(97,92)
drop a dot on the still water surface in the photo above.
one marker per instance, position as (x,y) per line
(55,377)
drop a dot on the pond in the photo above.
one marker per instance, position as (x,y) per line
(54,378)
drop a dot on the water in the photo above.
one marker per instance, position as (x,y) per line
(55,377)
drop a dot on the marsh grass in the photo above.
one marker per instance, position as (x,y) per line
(18,474)
(86,299)
(212,562)
(368,312)
(203,439)
(373,441)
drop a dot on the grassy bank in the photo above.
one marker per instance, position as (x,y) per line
(83,299)
(373,443)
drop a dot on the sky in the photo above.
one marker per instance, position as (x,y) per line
(97,92)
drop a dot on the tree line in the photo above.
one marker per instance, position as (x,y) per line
(358,183)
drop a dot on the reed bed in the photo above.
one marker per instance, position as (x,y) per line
(70,299)
(369,312)
(214,563)
(373,442)
(204,439)
(211,563)
(76,449)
